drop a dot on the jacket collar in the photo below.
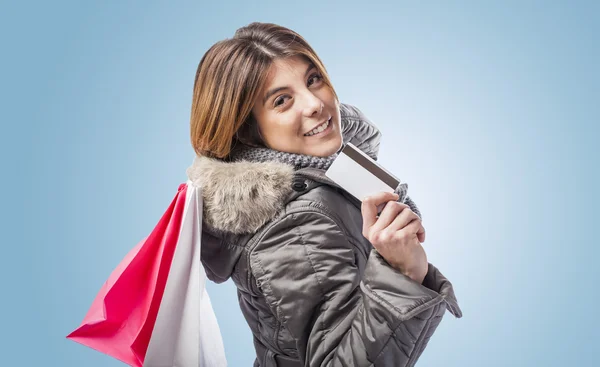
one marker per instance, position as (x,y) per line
(239,197)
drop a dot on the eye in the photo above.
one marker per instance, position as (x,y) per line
(279,99)
(317,76)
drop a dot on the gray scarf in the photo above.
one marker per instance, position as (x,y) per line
(263,154)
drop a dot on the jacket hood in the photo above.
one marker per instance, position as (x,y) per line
(240,197)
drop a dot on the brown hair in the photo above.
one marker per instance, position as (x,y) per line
(230,76)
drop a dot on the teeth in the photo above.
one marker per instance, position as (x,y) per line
(318,129)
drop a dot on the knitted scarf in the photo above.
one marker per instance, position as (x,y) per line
(263,154)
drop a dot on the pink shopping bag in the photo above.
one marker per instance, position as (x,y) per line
(160,279)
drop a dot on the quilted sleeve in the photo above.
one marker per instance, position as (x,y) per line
(305,267)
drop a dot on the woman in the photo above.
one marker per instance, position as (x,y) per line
(322,279)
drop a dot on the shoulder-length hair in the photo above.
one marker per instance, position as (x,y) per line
(230,76)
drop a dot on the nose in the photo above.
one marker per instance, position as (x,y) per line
(314,105)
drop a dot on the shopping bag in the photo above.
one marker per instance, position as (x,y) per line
(154,310)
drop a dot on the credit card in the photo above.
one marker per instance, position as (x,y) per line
(359,174)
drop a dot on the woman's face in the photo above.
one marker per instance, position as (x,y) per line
(293,103)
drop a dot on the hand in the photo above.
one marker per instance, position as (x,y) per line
(396,233)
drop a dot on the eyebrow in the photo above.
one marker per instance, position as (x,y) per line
(275,90)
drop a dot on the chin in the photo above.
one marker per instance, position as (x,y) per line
(328,150)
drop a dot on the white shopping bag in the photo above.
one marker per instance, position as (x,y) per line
(186,333)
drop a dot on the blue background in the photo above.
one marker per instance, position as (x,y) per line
(489,111)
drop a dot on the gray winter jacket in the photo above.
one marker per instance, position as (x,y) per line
(311,287)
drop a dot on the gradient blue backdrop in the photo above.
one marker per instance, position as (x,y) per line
(489,111)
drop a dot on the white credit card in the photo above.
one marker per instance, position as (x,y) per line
(359,174)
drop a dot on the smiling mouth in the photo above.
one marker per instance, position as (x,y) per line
(319,129)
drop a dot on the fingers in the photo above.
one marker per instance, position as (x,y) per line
(401,220)
(390,213)
(413,228)
(393,218)
(421,234)
(369,208)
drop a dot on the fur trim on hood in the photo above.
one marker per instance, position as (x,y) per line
(240,197)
